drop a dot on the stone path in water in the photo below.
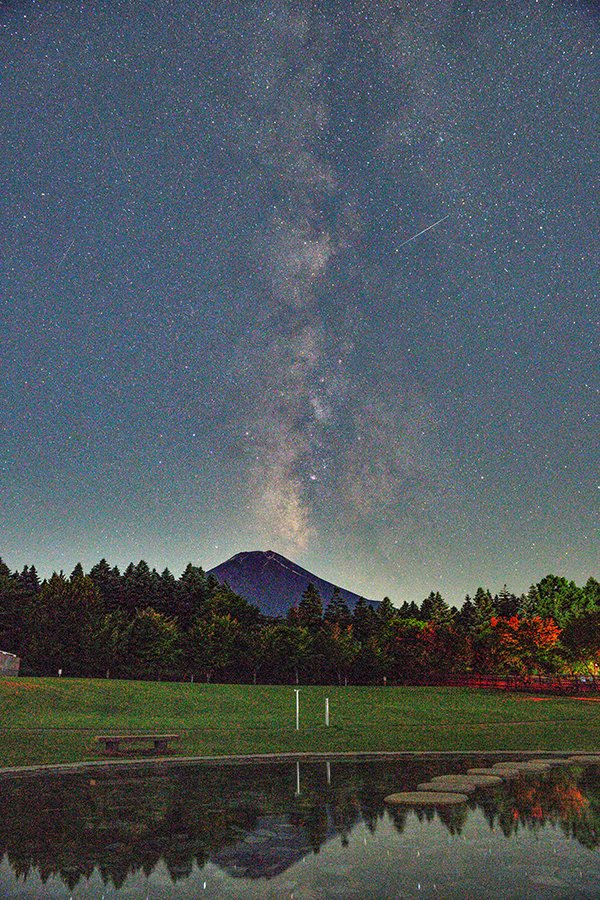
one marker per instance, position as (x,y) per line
(444,790)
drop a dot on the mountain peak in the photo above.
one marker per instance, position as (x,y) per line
(274,583)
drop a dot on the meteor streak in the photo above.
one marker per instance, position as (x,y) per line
(419,233)
(64,256)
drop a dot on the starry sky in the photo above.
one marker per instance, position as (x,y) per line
(316,276)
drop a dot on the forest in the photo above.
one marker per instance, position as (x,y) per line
(140,623)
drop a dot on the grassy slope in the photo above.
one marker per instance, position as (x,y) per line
(46,720)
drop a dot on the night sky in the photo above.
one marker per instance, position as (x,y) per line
(222,327)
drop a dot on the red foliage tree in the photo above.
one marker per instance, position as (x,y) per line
(522,645)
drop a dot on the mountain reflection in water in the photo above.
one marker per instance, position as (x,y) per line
(249,821)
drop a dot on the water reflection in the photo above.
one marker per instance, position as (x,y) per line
(233,826)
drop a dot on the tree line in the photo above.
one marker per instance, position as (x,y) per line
(140,623)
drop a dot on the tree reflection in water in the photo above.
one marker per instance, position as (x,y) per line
(248,820)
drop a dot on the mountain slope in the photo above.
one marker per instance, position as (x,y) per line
(274,583)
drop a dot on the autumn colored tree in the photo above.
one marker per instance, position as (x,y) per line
(523,646)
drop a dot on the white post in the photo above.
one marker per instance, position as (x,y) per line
(297,692)
(297,779)
(328,767)
(327,711)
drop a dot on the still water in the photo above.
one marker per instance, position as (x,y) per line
(308,831)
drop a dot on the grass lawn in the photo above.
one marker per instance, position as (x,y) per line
(49,720)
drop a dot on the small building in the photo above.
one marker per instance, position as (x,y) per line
(9,664)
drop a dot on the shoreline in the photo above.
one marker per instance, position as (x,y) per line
(266,758)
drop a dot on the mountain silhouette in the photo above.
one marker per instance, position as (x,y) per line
(274,583)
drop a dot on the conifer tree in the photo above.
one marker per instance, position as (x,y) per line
(76,573)
(435,609)
(13,598)
(310,609)
(337,611)
(363,621)
(108,583)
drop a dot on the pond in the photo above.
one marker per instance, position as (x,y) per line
(308,830)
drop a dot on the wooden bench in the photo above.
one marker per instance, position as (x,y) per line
(157,742)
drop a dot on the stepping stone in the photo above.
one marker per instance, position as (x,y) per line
(534,767)
(425,798)
(548,762)
(464,787)
(504,774)
(477,780)
(585,758)
(521,766)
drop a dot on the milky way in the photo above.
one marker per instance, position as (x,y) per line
(315,277)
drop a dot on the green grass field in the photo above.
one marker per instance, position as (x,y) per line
(50,720)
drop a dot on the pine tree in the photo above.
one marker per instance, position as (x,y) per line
(108,583)
(164,592)
(466,615)
(137,586)
(364,621)
(435,609)
(337,611)
(62,621)
(12,603)
(592,593)
(483,607)
(192,594)
(506,604)
(29,581)
(77,572)
(386,617)
(386,611)
(481,630)
(310,609)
